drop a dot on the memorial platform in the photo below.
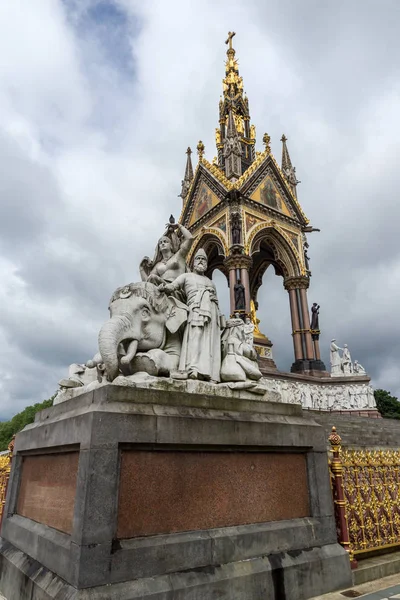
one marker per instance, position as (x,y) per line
(126,493)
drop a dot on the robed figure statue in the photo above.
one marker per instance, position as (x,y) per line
(201,347)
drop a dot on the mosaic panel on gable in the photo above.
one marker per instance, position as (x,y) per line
(267,194)
(252,220)
(220,224)
(205,200)
(293,238)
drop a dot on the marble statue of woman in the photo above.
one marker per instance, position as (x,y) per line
(201,347)
(336,364)
(346,361)
(170,256)
(249,331)
(358,368)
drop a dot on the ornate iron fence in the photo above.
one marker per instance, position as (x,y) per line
(5,468)
(366,492)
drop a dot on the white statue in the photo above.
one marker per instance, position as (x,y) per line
(170,255)
(336,362)
(239,357)
(249,331)
(201,349)
(78,376)
(347,366)
(358,369)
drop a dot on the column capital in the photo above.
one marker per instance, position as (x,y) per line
(238,261)
(299,283)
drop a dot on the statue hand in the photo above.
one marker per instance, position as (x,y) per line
(145,261)
(166,287)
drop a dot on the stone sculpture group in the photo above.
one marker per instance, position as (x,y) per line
(169,325)
(342,366)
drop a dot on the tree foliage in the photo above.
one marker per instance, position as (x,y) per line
(18,422)
(388,405)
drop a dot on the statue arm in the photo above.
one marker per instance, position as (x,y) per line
(187,241)
(174,285)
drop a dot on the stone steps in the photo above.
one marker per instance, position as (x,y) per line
(360,431)
(376,567)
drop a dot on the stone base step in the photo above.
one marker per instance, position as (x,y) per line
(377,567)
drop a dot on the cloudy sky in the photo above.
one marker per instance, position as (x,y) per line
(99,100)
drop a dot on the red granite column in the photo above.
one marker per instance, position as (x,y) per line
(246,282)
(296,333)
(316,350)
(306,324)
(232,281)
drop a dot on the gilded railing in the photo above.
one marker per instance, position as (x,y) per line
(370,482)
(5,469)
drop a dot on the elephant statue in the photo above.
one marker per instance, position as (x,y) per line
(143,333)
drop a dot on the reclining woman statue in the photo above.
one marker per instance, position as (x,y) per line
(170,256)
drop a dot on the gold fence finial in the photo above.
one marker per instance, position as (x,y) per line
(334,438)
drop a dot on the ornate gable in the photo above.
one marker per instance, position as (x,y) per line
(267,186)
(204,194)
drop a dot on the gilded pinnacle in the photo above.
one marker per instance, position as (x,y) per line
(267,141)
(200,149)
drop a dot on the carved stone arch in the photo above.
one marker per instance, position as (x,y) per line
(268,245)
(214,244)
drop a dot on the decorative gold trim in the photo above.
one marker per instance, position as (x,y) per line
(293,197)
(208,231)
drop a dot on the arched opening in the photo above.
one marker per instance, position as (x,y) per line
(214,248)
(273,255)
(219,279)
(273,312)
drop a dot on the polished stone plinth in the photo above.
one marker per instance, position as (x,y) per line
(127,493)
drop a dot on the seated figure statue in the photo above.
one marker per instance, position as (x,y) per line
(170,256)
(239,357)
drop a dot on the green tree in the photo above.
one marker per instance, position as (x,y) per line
(388,405)
(18,422)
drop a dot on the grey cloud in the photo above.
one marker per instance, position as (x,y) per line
(76,220)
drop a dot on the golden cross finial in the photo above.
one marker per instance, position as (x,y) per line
(229,40)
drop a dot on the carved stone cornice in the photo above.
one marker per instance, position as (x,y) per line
(238,261)
(296,283)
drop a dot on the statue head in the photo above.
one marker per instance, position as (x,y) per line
(200,262)
(165,244)
(247,320)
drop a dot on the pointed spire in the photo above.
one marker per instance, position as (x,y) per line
(188,178)
(286,162)
(231,130)
(232,149)
(287,168)
(234,113)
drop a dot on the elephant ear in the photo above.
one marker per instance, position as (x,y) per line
(176,315)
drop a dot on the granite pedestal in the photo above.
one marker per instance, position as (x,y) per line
(126,493)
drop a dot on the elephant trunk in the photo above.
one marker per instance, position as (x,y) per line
(110,336)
